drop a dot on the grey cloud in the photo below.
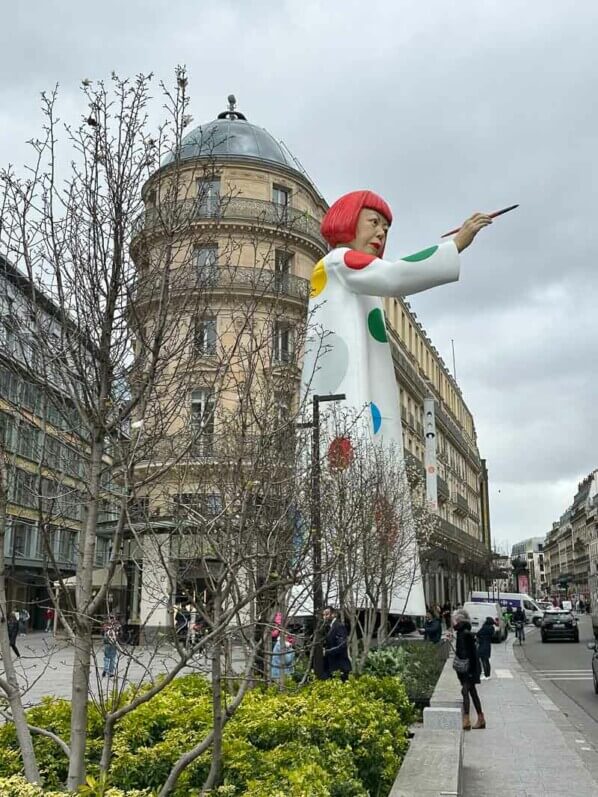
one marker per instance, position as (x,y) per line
(444,109)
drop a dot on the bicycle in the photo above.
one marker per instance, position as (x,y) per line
(519,633)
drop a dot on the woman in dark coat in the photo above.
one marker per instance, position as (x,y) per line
(484,637)
(466,649)
(13,632)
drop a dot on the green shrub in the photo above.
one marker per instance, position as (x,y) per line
(327,739)
(417,664)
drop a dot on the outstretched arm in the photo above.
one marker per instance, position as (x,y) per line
(367,274)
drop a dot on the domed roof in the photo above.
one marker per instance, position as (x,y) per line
(232,136)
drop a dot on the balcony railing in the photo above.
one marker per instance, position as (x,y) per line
(442,489)
(460,538)
(461,505)
(273,449)
(171,216)
(256,281)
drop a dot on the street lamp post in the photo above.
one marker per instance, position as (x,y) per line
(316,527)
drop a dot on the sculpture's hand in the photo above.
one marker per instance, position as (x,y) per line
(470,229)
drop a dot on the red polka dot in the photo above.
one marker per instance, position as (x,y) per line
(358,260)
(340,453)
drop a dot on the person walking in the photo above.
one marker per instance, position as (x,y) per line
(467,666)
(49,618)
(13,632)
(446,614)
(23,618)
(432,629)
(111,633)
(336,657)
(519,619)
(283,658)
(484,637)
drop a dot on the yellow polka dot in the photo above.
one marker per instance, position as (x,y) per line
(318,279)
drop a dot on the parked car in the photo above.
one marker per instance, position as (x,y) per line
(479,611)
(593,646)
(559,625)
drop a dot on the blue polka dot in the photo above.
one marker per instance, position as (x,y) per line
(376,417)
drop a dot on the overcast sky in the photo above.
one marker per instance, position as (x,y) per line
(443,108)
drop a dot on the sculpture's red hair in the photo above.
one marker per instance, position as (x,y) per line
(340,223)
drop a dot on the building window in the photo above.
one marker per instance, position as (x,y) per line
(207,504)
(202,421)
(103,545)
(66,551)
(6,431)
(281,196)
(205,335)
(22,537)
(283,263)
(205,262)
(283,342)
(208,196)
(25,488)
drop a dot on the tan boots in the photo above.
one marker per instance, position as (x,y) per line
(479,726)
(481,723)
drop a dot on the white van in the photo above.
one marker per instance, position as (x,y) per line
(479,611)
(511,600)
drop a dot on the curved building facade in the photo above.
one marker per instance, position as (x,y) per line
(233,215)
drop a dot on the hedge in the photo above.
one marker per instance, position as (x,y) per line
(326,739)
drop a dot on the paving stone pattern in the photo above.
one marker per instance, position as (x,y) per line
(45,666)
(529,748)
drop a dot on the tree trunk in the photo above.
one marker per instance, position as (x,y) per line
(109,723)
(84,626)
(10,684)
(215,767)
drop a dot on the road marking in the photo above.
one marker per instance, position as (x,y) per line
(503,673)
(580,741)
(565,677)
(587,748)
(564,669)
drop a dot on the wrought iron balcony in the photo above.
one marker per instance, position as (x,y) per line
(443,489)
(228,279)
(455,538)
(461,506)
(171,216)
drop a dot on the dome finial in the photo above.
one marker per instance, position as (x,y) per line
(230,112)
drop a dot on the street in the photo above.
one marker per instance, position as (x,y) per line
(564,671)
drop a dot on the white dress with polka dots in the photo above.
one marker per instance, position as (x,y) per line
(347,350)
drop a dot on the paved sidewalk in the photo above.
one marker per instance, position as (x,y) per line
(529,748)
(45,666)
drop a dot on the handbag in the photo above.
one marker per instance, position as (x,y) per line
(460,666)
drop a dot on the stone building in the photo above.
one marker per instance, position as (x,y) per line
(527,558)
(568,543)
(254,210)
(44,452)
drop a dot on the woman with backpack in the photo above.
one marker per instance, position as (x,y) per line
(467,666)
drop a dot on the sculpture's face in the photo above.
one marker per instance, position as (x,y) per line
(370,233)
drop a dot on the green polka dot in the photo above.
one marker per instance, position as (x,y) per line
(376,325)
(423,255)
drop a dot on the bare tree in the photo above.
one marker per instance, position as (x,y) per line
(117,332)
(374,522)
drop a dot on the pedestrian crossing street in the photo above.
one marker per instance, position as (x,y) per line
(563,675)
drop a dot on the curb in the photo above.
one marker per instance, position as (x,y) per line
(433,765)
